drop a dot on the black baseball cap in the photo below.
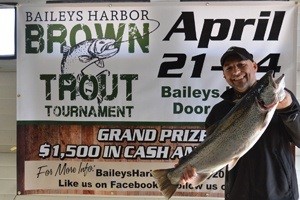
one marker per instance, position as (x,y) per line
(236,51)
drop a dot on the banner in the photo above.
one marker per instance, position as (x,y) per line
(109,92)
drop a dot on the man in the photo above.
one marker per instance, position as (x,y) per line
(265,172)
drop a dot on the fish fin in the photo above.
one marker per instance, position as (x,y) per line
(100,63)
(66,49)
(164,183)
(85,59)
(200,178)
(233,163)
(237,101)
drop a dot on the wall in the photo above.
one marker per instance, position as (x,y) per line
(8,130)
(7,134)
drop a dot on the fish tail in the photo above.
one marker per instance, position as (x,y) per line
(164,183)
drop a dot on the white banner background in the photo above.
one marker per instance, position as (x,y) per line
(147,103)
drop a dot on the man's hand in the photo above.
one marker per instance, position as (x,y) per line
(286,101)
(188,175)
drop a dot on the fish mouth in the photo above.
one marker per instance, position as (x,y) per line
(108,46)
(263,106)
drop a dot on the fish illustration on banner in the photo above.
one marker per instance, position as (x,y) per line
(88,51)
(91,54)
(87,58)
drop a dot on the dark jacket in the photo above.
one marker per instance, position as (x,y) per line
(267,170)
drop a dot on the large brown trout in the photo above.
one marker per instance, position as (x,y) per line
(230,138)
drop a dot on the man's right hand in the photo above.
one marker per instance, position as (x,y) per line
(188,175)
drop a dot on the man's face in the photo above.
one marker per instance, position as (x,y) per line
(240,74)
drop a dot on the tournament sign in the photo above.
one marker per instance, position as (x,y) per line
(109,92)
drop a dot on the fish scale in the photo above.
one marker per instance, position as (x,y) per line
(230,138)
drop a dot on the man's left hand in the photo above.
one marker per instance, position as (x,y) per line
(285,102)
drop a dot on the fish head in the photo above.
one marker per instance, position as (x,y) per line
(103,48)
(270,91)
